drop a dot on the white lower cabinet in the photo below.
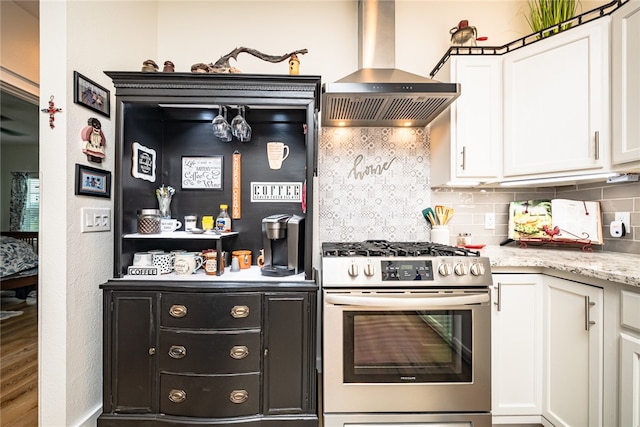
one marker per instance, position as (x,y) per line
(629,380)
(516,326)
(572,353)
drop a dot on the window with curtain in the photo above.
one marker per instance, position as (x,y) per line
(24,203)
(32,205)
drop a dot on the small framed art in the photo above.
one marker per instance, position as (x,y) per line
(92,182)
(91,95)
(202,173)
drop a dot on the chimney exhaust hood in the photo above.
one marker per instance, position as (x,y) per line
(378,94)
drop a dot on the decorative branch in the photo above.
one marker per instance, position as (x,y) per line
(222,65)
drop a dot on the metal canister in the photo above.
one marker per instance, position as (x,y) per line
(149,221)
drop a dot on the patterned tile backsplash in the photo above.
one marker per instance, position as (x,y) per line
(374,182)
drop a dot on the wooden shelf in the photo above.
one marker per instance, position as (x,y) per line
(181,235)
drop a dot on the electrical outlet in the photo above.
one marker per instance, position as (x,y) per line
(489,221)
(625,217)
(95,219)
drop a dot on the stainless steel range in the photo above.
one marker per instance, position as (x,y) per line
(406,335)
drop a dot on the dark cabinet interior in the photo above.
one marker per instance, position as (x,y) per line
(171,114)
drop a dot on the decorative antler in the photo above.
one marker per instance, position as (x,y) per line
(222,65)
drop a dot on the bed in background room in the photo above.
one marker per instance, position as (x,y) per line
(19,268)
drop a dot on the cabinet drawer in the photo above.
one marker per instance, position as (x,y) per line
(210,311)
(206,352)
(210,396)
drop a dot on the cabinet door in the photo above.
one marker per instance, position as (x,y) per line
(289,355)
(625,69)
(573,353)
(516,340)
(556,110)
(629,380)
(476,117)
(130,346)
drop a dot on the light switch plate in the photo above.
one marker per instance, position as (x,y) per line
(489,221)
(95,219)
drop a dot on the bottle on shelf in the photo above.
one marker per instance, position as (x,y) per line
(223,221)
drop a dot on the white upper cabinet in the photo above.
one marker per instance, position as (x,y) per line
(625,84)
(466,141)
(557,103)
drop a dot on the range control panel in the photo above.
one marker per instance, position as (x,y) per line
(407,270)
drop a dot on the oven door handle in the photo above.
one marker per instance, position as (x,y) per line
(420,303)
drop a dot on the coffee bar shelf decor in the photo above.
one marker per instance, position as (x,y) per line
(199,325)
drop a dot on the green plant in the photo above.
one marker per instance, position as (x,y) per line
(547,13)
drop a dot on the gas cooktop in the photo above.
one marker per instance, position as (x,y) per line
(383,248)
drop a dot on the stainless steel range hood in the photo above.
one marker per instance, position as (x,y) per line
(378,94)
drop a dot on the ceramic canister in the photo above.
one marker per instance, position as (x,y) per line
(211,263)
(244,258)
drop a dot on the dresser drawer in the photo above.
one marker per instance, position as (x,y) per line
(210,311)
(210,395)
(210,352)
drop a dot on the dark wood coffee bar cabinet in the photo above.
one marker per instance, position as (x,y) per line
(235,348)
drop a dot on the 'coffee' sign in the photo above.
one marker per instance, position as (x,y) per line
(276,192)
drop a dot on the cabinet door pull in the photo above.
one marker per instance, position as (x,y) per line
(177,396)
(239,396)
(587,313)
(152,351)
(239,352)
(498,301)
(597,145)
(464,157)
(177,351)
(178,310)
(240,311)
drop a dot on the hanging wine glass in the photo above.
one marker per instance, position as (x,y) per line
(240,127)
(221,127)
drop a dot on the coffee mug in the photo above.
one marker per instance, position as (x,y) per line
(277,152)
(143,259)
(164,261)
(169,225)
(187,263)
(211,263)
(244,258)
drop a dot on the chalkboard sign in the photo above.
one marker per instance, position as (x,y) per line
(144,162)
(202,173)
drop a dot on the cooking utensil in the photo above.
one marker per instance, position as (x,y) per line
(429,216)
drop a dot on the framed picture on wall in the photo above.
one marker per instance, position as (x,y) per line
(91,95)
(202,173)
(92,182)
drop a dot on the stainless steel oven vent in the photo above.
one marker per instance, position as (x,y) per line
(379,94)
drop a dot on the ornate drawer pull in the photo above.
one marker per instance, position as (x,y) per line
(240,311)
(239,352)
(177,351)
(239,396)
(177,396)
(152,351)
(178,310)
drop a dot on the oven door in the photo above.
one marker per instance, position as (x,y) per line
(407,351)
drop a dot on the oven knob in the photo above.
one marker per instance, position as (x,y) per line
(460,269)
(369,270)
(444,269)
(477,269)
(353,270)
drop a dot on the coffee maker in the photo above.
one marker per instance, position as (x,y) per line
(283,239)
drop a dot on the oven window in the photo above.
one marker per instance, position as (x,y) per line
(407,346)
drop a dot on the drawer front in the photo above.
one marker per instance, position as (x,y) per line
(210,311)
(210,396)
(206,352)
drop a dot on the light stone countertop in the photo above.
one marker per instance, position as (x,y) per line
(609,266)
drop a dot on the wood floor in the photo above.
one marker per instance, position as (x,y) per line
(19,366)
